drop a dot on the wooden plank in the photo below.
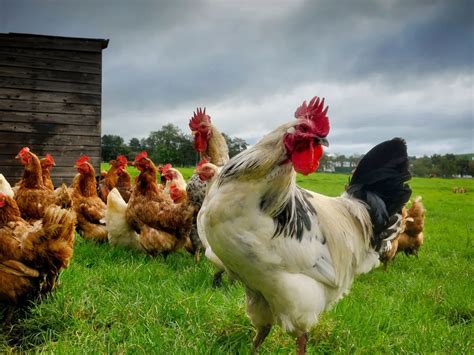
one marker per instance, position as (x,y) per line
(63,43)
(57,180)
(47,128)
(47,96)
(55,150)
(49,107)
(46,74)
(72,56)
(61,161)
(53,64)
(28,139)
(47,85)
(36,117)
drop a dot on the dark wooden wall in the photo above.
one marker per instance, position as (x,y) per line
(50,101)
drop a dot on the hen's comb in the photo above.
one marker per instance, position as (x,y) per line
(23,151)
(315,112)
(198,117)
(141,155)
(83,159)
(164,169)
(49,157)
(202,162)
(122,160)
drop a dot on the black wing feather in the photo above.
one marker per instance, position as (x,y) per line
(380,181)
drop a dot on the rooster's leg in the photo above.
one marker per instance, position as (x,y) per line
(262,333)
(301,344)
(217,279)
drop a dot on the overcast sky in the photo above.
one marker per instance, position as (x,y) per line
(386,68)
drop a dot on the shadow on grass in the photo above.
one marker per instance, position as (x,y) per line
(24,333)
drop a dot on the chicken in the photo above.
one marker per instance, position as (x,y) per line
(177,194)
(208,172)
(31,256)
(163,225)
(119,231)
(124,185)
(89,208)
(46,165)
(5,186)
(32,196)
(211,145)
(172,176)
(111,178)
(296,251)
(63,196)
(411,237)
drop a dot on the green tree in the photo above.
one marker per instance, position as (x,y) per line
(112,145)
(462,166)
(170,145)
(235,145)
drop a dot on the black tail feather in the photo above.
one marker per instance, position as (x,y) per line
(380,181)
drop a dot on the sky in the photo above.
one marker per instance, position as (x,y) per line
(386,68)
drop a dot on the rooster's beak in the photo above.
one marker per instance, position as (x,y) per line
(323,141)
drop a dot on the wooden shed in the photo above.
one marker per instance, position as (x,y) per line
(50,101)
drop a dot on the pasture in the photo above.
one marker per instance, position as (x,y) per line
(118,301)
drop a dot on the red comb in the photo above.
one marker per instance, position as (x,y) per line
(164,169)
(198,117)
(24,150)
(122,160)
(141,155)
(316,113)
(50,158)
(202,162)
(83,159)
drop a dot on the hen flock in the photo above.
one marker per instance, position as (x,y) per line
(296,252)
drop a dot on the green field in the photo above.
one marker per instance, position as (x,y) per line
(118,301)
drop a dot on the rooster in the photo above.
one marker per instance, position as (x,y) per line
(47,164)
(31,256)
(211,145)
(32,196)
(163,225)
(89,208)
(297,251)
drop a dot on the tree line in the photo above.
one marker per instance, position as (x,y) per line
(171,145)
(167,145)
(448,165)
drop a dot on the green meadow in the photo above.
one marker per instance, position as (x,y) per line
(112,300)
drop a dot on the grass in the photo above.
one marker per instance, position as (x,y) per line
(119,301)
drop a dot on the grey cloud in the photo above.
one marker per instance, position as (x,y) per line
(168,56)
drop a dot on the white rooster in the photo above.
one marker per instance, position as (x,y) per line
(297,251)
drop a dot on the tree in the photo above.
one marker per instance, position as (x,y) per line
(235,145)
(170,145)
(112,145)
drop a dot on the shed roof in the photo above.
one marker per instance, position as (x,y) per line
(53,42)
